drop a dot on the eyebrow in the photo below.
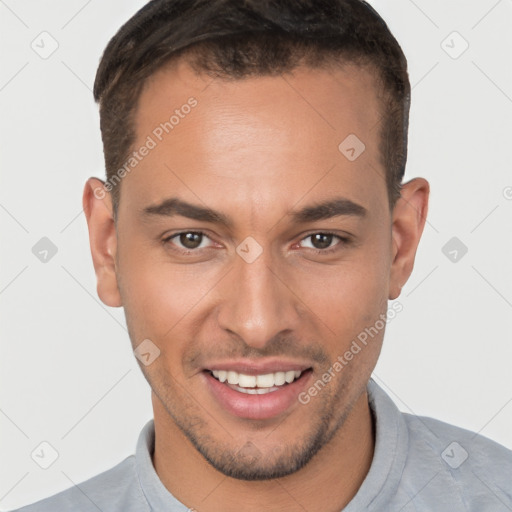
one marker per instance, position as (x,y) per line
(327,209)
(336,207)
(174,206)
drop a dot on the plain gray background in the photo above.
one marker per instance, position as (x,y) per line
(68,376)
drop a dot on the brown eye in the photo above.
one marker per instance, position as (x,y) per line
(324,242)
(321,240)
(189,243)
(191,240)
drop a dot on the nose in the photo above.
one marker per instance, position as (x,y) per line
(258,303)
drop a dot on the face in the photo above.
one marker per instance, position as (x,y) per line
(252,252)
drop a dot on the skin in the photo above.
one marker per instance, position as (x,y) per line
(256,150)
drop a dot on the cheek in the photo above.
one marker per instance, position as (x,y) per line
(349,302)
(348,297)
(157,295)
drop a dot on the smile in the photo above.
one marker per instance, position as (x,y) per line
(256,384)
(257,396)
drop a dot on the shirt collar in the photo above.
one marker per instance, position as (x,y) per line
(390,453)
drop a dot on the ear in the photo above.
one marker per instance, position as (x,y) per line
(409,215)
(97,204)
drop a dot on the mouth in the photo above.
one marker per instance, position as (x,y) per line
(256,384)
(253,395)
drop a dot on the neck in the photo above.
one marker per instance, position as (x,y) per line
(340,466)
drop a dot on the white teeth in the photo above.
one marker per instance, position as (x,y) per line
(290,376)
(246,381)
(279,378)
(256,384)
(256,391)
(233,378)
(265,381)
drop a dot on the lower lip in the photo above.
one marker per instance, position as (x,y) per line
(256,407)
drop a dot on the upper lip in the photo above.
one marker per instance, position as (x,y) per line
(252,367)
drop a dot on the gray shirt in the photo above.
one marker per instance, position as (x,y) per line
(419,464)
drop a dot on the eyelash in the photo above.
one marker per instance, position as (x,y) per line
(342,241)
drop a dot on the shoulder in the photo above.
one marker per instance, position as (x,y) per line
(456,445)
(476,468)
(116,489)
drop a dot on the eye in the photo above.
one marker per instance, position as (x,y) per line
(189,240)
(322,241)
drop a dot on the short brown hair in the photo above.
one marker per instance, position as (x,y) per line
(234,39)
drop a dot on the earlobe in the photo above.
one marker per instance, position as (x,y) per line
(409,216)
(97,204)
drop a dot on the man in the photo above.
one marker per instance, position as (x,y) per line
(254,225)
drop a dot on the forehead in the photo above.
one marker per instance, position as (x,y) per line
(329,100)
(259,136)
